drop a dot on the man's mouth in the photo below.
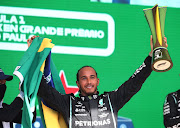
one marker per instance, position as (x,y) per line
(89,86)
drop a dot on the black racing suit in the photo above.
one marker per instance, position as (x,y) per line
(98,111)
(11,113)
(171,110)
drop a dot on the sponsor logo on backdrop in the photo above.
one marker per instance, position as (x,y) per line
(18,24)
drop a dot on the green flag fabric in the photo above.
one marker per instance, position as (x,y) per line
(29,71)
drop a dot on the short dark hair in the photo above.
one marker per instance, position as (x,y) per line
(77,75)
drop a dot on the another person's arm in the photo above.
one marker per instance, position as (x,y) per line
(170,112)
(18,118)
(13,112)
(9,112)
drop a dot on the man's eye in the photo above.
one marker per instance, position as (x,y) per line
(92,77)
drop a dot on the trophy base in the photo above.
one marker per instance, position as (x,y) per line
(161,60)
(162,65)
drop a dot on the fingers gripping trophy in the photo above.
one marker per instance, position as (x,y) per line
(155,17)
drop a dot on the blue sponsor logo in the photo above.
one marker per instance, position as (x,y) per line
(124,122)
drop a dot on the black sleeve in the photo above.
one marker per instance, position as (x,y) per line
(18,118)
(9,112)
(53,98)
(124,93)
(170,111)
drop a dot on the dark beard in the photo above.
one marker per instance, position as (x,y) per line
(88,94)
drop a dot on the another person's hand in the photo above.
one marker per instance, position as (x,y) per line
(29,41)
(151,43)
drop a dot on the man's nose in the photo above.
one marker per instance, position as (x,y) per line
(89,80)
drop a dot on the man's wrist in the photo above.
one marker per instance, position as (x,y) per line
(21,95)
(150,54)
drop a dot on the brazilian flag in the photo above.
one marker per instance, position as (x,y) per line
(36,62)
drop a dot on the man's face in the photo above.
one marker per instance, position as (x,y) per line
(88,81)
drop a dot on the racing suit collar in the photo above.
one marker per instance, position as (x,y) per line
(178,92)
(90,97)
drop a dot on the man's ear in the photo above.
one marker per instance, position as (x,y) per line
(98,81)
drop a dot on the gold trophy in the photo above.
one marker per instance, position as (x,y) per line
(155,17)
